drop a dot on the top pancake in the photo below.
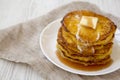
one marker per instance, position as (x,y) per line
(104,27)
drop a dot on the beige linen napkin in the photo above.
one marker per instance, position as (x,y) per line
(20,43)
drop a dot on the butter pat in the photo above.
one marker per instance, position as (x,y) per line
(89,21)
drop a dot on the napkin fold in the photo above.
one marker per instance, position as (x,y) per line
(20,43)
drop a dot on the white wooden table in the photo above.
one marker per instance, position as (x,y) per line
(16,11)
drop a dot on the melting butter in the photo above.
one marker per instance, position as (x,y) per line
(89,21)
(77,17)
(93,50)
(79,48)
(77,34)
(79,38)
(98,36)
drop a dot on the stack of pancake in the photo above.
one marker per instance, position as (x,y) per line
(85,45)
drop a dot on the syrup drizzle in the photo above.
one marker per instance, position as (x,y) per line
(78,66)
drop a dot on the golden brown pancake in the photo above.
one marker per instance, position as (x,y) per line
(94,46)
(73,46)
(104,26)
(71,41)
(84,61)
(98,54)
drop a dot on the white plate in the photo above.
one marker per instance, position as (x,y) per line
(48,45)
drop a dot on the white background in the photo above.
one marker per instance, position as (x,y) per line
(15,11)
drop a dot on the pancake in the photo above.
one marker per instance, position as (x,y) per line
(100,54)
(86,63)
(104,26)
(73,45)
(86,45)
(71,39)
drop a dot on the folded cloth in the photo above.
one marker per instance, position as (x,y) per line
(20,43)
